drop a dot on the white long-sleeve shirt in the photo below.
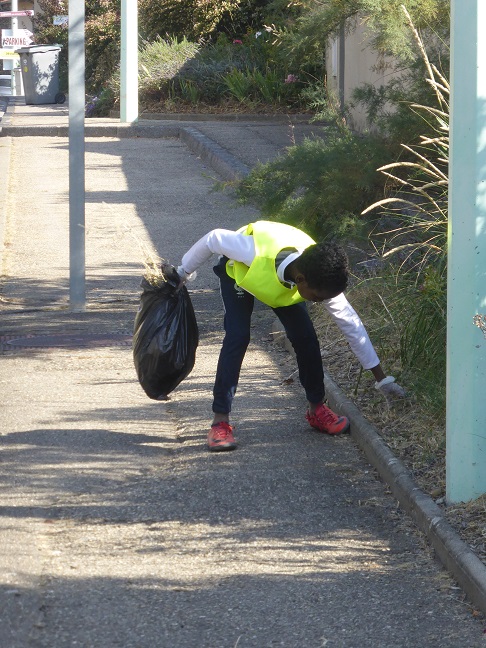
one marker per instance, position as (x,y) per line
(240,247)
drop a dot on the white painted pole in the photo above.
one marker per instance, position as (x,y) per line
(466,345)
(129,62)
(14,23)
(14,6)
(76,156)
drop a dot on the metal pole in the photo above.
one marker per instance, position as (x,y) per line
(129,62)
(76,156)
(466,345)
(14,23)
(341,65)
(14,6)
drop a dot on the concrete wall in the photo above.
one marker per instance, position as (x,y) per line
(25,22)
(351,62)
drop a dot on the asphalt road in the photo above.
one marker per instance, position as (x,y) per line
(117,527)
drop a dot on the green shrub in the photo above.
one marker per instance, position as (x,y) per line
(254,86)
(416,203)
(388,107)
(100,104)
(199,19)
(269,86)
(239,84)
(321,184)
(415,239)
(418,311)
(160,61)
(178,68)
(165,18)
(172,69)
(102,36)
(423,336)
(383,20)
(189,91)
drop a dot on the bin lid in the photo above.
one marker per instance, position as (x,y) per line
(33,49)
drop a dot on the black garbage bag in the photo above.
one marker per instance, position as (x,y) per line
(165,335)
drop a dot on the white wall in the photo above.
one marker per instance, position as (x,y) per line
(25,22)
(361,65)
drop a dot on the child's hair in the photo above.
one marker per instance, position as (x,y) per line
(325,267)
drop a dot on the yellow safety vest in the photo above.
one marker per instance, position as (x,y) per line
(260,278)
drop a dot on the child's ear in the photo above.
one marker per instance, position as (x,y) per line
(299,278)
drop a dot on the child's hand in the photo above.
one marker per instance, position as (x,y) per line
(390,389)
(185,276)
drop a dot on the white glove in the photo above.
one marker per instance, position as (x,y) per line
(390,389)
(186,276)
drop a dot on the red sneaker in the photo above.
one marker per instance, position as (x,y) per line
(325,420)
(221,437)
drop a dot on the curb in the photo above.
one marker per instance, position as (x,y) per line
(222,161)
(4,164)
(8,107)
(3,106)
(455,555)
(297,118)
(95,130)
(5,145)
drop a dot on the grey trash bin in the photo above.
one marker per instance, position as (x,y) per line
(40,74)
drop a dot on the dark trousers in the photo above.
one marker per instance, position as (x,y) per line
(238,308)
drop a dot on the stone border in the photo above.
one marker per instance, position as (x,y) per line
(296,118)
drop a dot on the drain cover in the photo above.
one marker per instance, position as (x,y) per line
(75,341)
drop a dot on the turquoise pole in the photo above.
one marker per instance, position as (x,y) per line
(466,344)
(129,62)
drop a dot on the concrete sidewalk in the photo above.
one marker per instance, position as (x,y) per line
(231,146)
(120,529)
